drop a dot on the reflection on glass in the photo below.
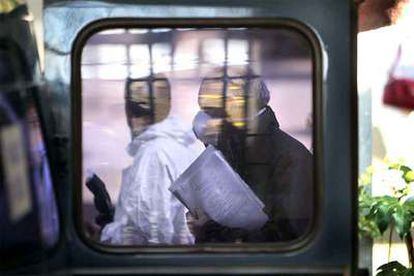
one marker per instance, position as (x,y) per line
(49,219)
(237,51)
(29,217)
(186,56)
(161,57)
(149,97)
(140,59)
(211,94)
(213,51)
(215,123)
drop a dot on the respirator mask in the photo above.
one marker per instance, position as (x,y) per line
(207,128)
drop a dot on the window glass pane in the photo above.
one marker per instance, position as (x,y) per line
(186,55)
(113,31)
(139,60)
(213,51)
(161,57)
(161,30)
(99,54)
(111,72)
(238,51)
(105,61)
(137,31)
(197,136)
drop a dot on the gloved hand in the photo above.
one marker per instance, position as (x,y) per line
(196,221)
(102,200)
(205,229)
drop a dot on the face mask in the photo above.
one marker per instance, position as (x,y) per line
(207,128)
(138,125)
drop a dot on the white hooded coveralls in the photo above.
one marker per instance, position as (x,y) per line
(146,211)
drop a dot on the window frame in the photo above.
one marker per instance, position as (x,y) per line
(316,49)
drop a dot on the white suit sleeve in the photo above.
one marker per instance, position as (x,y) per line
(147,200)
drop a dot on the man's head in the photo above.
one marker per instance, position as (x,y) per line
(235,95)
(147,101)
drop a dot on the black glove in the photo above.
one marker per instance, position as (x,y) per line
(102,200)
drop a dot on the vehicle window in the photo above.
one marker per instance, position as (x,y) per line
(195,136)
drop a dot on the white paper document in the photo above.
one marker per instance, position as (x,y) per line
(212,186)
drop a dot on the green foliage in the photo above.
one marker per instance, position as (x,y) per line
(393,211)
(377,214)
(367,226)
(408,173)
(409,176)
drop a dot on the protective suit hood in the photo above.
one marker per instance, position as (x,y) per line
(146,211)
(170,128)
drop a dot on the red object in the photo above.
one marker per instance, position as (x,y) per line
(399,92)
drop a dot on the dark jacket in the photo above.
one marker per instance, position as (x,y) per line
(279,169)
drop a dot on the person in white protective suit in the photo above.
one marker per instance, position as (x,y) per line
(147,212)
